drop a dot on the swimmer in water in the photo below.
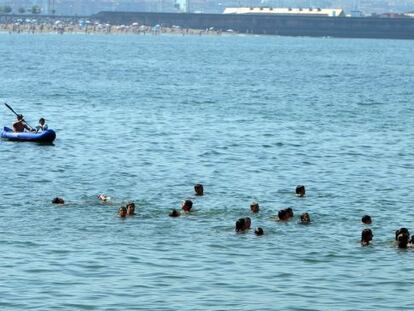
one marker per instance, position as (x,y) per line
(366,237)
(187,205)
(254,207)
(240,225)
(403,240)
(283,215)
(300,191)
(401,230)
(58,200)
(290,212)
(103,198)
(258,231)
(305,219)
(122,212)
(174,213)
(402,236)
(199,189)
(366,219)
(247,223)
(130,209)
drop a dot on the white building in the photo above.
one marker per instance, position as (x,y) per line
(286,11)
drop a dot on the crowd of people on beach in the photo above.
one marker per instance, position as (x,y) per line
(94,27)
(243,225)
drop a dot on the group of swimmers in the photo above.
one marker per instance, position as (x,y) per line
(402,235)
(243,224)
(127,210)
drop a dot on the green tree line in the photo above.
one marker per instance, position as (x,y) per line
(7,9)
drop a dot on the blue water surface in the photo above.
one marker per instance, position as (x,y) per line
(144,118)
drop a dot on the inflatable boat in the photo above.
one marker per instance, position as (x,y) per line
(47,136)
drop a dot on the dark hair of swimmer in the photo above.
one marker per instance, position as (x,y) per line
(300,190)
(58,200)
(258,231)
(366,237)
(289,211)
(402,240)
(130,208)
(199,189)
(240,224)
(174,213)
(400,231)
(366,219)
(122,212)
(187,205)
(254,207)
(283,215)
(305,218)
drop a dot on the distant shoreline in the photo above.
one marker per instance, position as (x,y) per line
(28,26)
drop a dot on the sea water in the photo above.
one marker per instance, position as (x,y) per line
(144,118)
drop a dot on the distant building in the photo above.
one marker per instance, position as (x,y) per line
(286,11)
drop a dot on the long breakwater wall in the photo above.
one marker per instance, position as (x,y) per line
(313,26)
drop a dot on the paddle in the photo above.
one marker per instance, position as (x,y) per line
(12,110)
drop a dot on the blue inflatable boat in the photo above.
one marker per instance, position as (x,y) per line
(47,136)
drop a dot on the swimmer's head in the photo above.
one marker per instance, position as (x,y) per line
(366,236)
(122,212)
(174,213)
(58,200)
(305,218)
(366,219)
(400,231)
(187,205)
(402,240)
(283,215)
(289,211)
(300,190)
(130,208)
(254,207)
(240,224)
(258,231)
(247,223)
(103,198)
(199,189)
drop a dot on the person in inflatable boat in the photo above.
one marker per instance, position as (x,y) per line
(20,125)
(42,126)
